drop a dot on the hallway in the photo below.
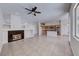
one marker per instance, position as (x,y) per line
(38,46)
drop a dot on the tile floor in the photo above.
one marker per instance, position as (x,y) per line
(38,46)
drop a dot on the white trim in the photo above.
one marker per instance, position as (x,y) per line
(73,18)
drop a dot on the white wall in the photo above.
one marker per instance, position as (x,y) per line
(1,23)
(1,18)
(30,30)
(16,21)
(65,24)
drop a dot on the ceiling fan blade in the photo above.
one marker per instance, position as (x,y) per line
(30,12)
(28,9)
(37,12)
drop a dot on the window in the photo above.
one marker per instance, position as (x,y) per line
(76,22)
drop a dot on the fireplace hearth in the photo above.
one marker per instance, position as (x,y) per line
(15,35)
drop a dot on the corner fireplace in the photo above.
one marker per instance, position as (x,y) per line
(15,35)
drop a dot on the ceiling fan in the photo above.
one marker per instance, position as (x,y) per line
(33,10)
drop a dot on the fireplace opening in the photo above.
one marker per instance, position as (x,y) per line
(15,35)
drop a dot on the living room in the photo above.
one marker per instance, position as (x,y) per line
(24,25)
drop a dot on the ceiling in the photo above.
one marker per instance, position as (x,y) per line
(50,11)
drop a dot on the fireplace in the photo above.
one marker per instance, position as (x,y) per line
(15,35)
